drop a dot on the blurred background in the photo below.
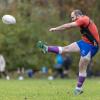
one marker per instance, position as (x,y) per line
(34,18)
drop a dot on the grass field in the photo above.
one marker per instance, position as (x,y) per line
(42,89)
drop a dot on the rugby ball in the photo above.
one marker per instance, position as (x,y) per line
(8,19)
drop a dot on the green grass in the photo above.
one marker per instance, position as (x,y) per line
(36,89)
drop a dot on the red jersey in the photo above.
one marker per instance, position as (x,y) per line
(88,29)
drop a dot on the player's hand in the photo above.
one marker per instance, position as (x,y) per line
(52,29)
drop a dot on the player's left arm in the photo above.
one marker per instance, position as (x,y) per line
(64,26)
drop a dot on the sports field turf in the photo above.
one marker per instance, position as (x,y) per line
(42,89)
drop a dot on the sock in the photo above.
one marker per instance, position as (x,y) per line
(55,49)
(81,80)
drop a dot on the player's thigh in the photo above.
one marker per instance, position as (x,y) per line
(71,48)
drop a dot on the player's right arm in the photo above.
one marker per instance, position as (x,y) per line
(64,27)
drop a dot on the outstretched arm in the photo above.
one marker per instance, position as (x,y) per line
(64,26)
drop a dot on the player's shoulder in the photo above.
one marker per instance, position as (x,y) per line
(84,18)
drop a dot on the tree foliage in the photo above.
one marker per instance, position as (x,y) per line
(34,18)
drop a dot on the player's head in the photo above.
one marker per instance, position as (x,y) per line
(75,14)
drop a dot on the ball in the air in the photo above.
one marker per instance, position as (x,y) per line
(8,19)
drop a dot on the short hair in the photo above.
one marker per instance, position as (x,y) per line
(78,12)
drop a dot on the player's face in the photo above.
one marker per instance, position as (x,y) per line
(73,16)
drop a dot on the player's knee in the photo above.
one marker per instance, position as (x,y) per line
(84,62)
(86,59)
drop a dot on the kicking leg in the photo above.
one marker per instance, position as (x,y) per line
(58,49)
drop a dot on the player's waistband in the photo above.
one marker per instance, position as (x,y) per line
(93,44)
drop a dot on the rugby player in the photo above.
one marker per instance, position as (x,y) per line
(87,47)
